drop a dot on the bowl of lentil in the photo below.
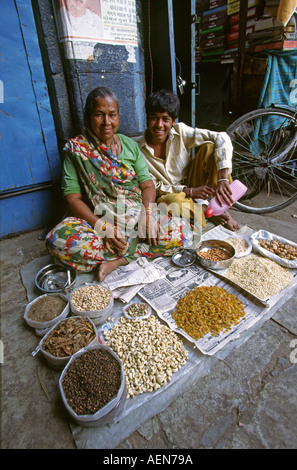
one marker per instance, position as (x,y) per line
(93,386)
(66,338)
(93,301)
(215,254)
(137,311)
(45,311)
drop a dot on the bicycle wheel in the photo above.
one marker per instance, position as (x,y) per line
(265,158)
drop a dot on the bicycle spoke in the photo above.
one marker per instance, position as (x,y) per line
(265,158)
(275,180)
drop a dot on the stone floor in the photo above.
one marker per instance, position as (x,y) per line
(247,401)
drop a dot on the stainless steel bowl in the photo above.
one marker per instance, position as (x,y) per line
(215,264)
(184,258)
(55,278)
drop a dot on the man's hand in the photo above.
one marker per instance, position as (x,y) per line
(202,192)
(223,193)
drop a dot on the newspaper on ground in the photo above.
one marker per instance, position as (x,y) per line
(126,281)
(163,295)
(125,294)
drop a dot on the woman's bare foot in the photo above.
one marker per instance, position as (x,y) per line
(108,266)
(227,221)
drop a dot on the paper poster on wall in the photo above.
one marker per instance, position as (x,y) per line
(83,23)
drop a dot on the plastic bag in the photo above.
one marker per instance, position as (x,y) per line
(58,363)
(108,412)
(42,327)
(267,236)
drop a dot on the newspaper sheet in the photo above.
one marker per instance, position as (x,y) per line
(163,295)
(126,281)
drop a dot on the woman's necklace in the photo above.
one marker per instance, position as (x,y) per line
(114,144)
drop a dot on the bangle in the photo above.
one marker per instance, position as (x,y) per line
(148,210)
(103,227)
(223,179)
(191,192)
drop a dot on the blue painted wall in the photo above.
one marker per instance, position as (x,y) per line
(28,145)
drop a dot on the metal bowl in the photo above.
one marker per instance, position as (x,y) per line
(215,264)
(55,278)
(184,258)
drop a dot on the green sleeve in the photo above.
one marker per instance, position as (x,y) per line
(132,156)
(70,181)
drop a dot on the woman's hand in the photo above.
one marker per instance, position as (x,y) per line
(149,228)
(112,238)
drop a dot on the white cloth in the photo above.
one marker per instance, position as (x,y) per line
(88,27)
(169,173)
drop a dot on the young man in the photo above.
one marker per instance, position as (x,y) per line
(166,146)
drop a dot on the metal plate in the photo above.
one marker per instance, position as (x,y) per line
(184,258)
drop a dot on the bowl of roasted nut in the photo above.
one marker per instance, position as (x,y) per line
(93,301)
(215,254)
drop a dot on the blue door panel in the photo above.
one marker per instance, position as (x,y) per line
(29,156)
(23,213)
(28,142)
(40,87)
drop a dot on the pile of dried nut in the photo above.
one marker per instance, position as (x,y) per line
(283,250)
(137,309)
(91,298)
(150,353)
(214,254)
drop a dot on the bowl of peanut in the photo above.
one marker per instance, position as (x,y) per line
(215,254)
(93,301)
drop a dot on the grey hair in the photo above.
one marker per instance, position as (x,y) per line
(93,96)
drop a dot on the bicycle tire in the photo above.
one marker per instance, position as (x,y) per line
(265,158)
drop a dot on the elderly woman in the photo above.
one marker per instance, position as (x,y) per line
(109,194)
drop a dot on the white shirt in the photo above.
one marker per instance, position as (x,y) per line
(87,27)
(169,173)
